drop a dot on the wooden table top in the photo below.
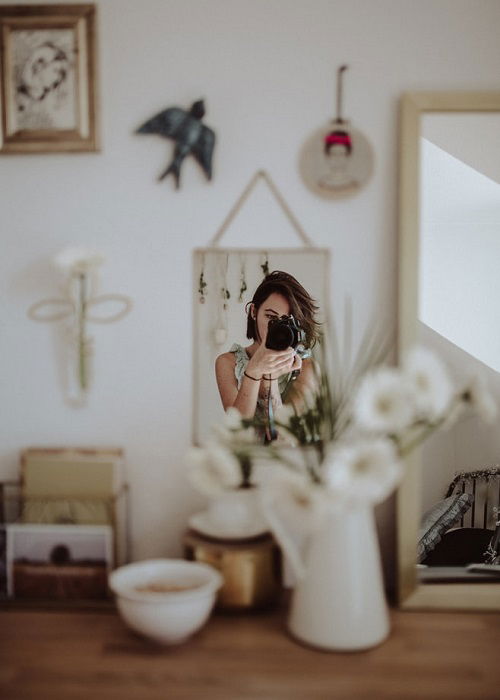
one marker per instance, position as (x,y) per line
(56,655)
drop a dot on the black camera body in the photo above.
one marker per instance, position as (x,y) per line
(283,333)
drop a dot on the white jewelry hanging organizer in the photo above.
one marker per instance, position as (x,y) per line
(224,281)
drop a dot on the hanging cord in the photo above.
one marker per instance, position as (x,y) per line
(273,434)
(340,70)
(279,198)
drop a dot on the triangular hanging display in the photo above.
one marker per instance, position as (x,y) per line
(261,174)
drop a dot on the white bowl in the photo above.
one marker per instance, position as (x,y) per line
(166,600)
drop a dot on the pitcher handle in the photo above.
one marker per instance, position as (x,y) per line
(286,542)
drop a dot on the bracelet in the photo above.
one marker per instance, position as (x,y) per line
(250,377)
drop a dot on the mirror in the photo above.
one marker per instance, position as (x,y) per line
(449,288)
(224,281)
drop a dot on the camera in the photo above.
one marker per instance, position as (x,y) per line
(285,333)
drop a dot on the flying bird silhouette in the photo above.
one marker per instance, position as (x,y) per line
(190,136)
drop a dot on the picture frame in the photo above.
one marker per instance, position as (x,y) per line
(59,562)
(48,81)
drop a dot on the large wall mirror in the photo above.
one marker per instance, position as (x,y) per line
(225,280)
(449,300)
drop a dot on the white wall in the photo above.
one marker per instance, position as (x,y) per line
(267,71)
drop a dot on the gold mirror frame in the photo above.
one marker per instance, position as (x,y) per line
(411,594)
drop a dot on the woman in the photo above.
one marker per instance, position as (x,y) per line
(257,380)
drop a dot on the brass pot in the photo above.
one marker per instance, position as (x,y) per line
(251,569)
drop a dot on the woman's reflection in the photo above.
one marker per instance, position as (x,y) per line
(258,379)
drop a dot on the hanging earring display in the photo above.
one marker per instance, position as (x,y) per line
(336,160)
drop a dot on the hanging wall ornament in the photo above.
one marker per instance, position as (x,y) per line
(79,305)
(336,160)
(191,137)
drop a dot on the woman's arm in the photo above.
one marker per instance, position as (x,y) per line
(264,363)
(244,398)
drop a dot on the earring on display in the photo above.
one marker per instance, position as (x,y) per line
(226,295)
(243,284)
(220,333)
(265,265)
(202,284)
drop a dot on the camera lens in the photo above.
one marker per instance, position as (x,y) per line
(279,336)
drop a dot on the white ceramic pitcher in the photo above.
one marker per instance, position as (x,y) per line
(338,602)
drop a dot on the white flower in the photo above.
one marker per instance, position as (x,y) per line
(232,418)
(383,402)
(430,383)
(299,500)
(480,400)
(78,260)
(284,413)
(232,433)
(213,469)
(366,471)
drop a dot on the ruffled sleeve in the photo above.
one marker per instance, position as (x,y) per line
(241,363)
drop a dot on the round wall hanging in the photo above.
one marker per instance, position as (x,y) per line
(336,160)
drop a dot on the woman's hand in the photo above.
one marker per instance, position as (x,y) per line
(273,363)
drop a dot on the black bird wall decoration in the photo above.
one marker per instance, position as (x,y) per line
(190,136)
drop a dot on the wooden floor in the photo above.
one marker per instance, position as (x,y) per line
(72,655)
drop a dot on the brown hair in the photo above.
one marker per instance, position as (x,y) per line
(302,306)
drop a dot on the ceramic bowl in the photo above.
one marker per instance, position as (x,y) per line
(166,600)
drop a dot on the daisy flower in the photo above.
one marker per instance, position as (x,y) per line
(383,402)
(480,400)
(431,387)
(213,469)
(298,499)
(365,470)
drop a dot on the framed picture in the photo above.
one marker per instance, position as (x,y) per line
(48,78)
(62,562)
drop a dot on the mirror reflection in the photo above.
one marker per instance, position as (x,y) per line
(258,315)
(458,312)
